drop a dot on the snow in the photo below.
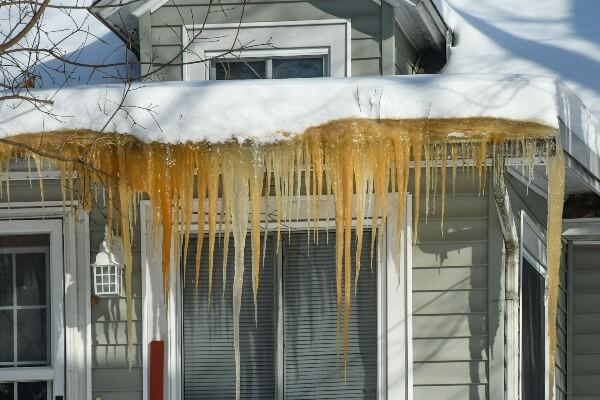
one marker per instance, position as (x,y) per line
(268,110)
(554,38)
(92,43)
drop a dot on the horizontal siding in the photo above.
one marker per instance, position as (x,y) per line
(561,330)
(450,297)
(586,322)
(112,378)
(475,391)
(364,17)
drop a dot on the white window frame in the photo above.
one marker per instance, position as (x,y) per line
(533,236)
(307,42)
(71,353)
(394,330)
(268,55)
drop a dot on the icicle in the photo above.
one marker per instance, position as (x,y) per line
(239,215)
(556,192)
(343,161)
(256,188)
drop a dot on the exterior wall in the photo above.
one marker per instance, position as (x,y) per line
(111,377)
(561,335)
(450,297)
(365,17)
(586,322)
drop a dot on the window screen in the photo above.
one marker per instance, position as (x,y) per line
(312,368)
(533,337)
(209,367)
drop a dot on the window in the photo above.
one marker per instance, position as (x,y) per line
(281,49)
(289,357)
(269,68)
(532,332)
(31,356)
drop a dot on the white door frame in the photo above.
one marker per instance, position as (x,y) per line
(70,306)
(394,348)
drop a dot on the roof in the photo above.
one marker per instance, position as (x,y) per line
(271,110)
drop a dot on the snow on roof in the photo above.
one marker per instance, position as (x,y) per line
(265,110)
(554,38)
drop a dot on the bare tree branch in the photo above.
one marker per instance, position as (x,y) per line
(30,25)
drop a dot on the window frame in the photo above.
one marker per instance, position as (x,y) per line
(268,57)
(53,373)
(165,323)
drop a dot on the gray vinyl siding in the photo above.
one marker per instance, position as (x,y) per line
(450,297)
(112,379)
(586,322)
(561,335)
(364,15)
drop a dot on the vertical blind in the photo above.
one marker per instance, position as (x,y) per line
(312,367)
(313,370)
(209,367)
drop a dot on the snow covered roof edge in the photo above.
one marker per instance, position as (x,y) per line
(270,110)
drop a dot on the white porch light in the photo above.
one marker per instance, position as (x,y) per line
(108,268)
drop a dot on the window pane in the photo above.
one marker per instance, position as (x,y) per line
(209,366)
(32,336)
(31,279)
(6,336)
(533,362)
(6,280)
(230,70)
(7,391)
(297,68)
(313,369)
(32,390)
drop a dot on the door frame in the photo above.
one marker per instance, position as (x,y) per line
(69,233)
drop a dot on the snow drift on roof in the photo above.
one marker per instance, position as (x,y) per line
(267,111)
(555,38)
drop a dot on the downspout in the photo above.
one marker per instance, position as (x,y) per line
(512,300)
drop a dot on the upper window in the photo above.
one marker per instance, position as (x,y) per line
(267,50)
(269,68)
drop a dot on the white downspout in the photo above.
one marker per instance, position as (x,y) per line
(512,292)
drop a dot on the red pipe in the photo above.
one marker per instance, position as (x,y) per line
(157,367)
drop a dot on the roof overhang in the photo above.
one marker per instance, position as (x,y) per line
(425,28)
